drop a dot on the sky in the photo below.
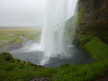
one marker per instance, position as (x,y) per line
(22,13)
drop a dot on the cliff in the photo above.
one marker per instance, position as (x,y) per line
(92,28)
(93,18)
(92,32)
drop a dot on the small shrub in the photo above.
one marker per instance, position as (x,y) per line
(6,56)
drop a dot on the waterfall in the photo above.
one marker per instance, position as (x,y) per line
(53,40)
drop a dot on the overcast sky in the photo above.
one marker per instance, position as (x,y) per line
(21,13)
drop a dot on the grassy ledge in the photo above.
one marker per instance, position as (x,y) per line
(95,46)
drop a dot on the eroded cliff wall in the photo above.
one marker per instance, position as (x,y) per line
(92,27)
(93,18)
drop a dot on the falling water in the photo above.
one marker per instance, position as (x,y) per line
(58,33)
(53,41)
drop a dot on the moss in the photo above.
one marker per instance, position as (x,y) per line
(97,48)
(6,56)
(82,72)
(80,15)
(17,70)
(21,71)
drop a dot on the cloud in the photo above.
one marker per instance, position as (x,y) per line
(21,12)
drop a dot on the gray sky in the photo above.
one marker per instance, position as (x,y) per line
(21,13)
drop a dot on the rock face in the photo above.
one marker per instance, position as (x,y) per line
(94,10)
(93,18)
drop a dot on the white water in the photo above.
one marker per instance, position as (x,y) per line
(53,42)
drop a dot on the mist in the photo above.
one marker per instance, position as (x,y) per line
(22,13)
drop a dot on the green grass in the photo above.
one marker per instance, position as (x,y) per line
(18,71)
(84,72)
(94,45)
(29,33)
(7,39)
(97,48)
(33,35)
(13,70)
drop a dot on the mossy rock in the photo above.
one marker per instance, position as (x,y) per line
(6,56)
(94,46)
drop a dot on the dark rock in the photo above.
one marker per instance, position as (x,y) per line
(93,16)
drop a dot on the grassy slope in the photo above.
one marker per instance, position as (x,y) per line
(18,71)
(14,70)
(95,46)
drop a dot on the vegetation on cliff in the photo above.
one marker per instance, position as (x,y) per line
(92,31)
